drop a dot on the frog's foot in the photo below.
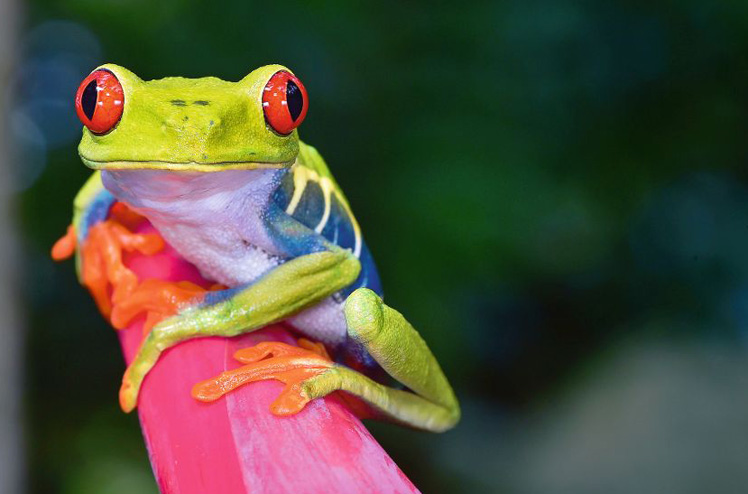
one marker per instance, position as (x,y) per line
(294,366)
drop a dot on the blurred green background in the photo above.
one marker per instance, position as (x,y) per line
(555,193)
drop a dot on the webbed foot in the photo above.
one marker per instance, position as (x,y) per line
(294,366)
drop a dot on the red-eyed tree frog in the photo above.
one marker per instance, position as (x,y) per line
(218,169)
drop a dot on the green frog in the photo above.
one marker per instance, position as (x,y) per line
(219,170)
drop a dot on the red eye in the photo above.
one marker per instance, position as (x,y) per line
(99,101)
(284,102)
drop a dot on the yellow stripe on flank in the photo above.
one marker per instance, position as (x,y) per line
(327,188)
(354,222)
(302,175)
(300,179)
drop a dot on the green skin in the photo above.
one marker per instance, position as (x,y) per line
(153,135)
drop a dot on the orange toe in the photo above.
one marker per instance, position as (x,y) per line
(268,349)
(290,402)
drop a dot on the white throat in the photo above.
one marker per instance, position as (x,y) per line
(214,220)
(185,196)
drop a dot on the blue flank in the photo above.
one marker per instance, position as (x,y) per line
(95,212)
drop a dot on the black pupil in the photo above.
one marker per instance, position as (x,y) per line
(88,100)
(295,100)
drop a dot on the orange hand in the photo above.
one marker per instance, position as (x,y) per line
(160,299)
(118,293)
(104,273)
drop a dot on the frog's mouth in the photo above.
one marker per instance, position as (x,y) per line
(185,166)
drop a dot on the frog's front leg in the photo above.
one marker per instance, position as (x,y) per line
(285,290)
(387,336)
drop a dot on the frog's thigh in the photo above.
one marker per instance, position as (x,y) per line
(401,351)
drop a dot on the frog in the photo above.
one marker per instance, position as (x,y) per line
(218,168)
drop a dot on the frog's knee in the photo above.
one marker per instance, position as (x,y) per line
(364,315)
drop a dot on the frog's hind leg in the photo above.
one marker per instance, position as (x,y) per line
(390,340)
(401,352)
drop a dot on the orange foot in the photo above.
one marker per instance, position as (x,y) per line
(272,360)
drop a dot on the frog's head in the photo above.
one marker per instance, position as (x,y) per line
(190,124)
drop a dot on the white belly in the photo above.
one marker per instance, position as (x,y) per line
(220,254)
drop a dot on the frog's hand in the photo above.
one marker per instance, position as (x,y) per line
(90,206)
(387,336)
(285,290)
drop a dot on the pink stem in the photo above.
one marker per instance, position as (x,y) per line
(235,445)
